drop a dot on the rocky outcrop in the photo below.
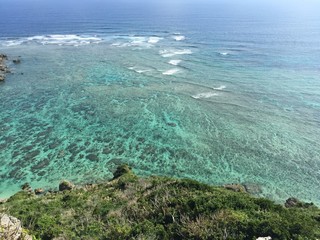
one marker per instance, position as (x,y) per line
(39,191)
(121,170)
(26,187)
(291,202)
(3,67)
(235,187)
(11,229)
(17,60)
(294,202)
(66,185)
(252,188)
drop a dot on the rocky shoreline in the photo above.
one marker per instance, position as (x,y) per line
(251,189)
(3,67)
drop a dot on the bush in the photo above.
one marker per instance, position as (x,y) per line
(160,208)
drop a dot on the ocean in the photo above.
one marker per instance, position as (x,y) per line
(220,92)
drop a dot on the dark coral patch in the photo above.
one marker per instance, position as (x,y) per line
(40,165)
(92,157)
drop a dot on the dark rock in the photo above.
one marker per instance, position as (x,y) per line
(16,61)
(294,202)
(235,187)
(66,185)
(26,187)
(121,170)
(39,191)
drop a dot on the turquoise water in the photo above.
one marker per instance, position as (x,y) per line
(220,104)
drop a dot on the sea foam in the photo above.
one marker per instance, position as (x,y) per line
(139,69)
(174,62)
(60,40)
(136,41)
(154,40)
(174,52)
(70,40)
(171,71)
(179,38)
(223,53)
(220,88)
(204,95)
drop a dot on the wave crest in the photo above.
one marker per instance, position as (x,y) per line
(179,37)
(204,95)
(174,52)
(60,40)
(171,71)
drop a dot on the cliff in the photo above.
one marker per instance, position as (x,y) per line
(130,207)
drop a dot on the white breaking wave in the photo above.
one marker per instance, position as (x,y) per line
(116,44)
(80,40)
(220,88)
(179,38)
(12,43)
(174,62)
(171,71)
(204,95)
(64,40)
(154,40)
(139,70)
(224,53)
(136,41)
(61,40)
(174,52)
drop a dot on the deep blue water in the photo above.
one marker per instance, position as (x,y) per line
(220,91)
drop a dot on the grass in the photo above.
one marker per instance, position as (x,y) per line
(129,207)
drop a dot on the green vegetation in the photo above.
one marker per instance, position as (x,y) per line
(129,207)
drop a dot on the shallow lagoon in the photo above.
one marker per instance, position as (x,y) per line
(220,105)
